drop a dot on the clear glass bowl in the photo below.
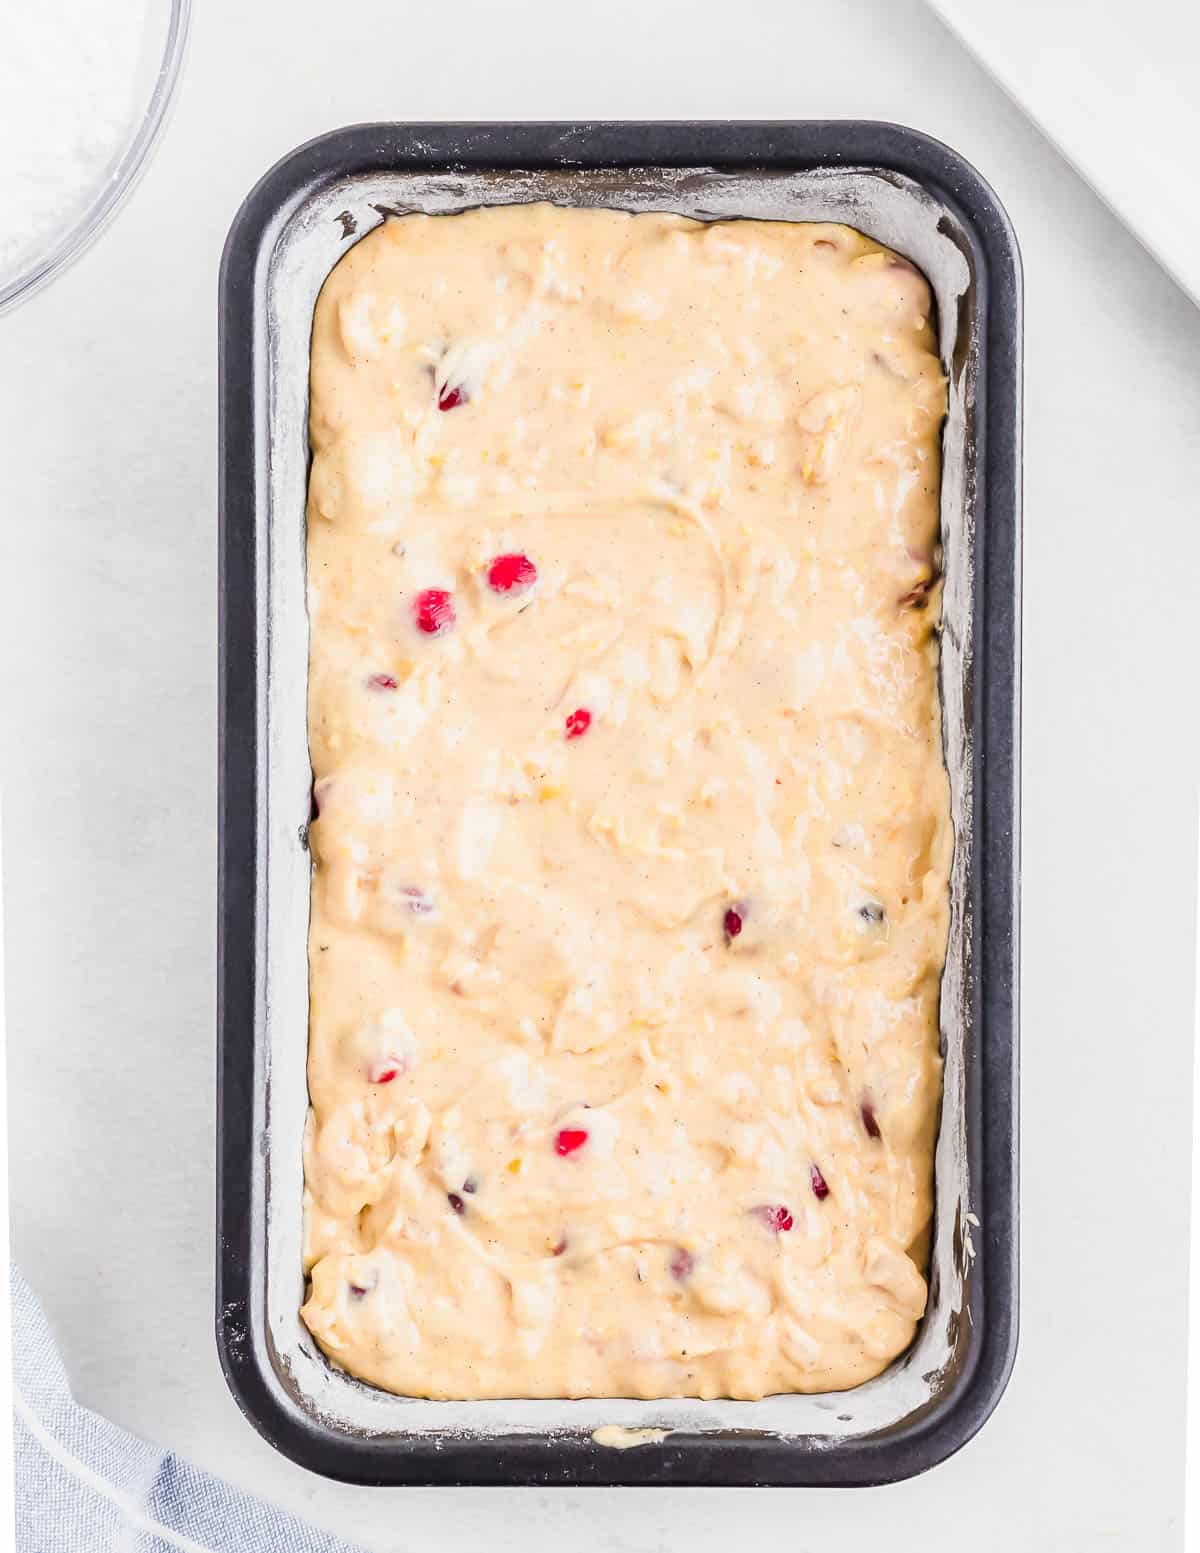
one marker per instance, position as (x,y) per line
(166,27)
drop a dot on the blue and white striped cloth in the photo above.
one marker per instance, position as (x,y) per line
(85,1486)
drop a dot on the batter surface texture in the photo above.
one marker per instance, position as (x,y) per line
(629,901)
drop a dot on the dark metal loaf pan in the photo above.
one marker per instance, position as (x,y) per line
(918,197)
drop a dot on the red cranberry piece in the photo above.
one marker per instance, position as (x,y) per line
(869,1119)
(321,786)
(578,722)
(384,1071)
(433,611)
(360,1291)
(918,596)
(775,1216)
(569,1139)
(456,1202)
(450,397)
(819,1184)
(681,1264)
(512,572)
(420,902)
(382,682)
(732,921)
(470,1186)
(559,1246)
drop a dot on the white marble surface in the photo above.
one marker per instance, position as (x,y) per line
(107,517)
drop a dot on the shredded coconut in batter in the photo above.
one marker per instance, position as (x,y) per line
(629,902)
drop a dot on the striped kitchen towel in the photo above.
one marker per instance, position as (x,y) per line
(85,1486)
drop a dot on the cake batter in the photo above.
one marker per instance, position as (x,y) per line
(632,835)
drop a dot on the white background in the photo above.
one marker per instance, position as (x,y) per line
(107,640)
